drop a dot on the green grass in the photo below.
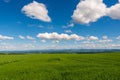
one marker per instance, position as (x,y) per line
(103,66)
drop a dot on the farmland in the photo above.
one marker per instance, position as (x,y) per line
(99,66)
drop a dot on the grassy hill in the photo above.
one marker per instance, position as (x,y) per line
(103,66)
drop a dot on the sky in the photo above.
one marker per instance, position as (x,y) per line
(59,24)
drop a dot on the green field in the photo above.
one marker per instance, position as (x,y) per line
(102,66)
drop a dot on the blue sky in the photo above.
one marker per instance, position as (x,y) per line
(59,24)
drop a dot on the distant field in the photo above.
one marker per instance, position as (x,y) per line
(103,66)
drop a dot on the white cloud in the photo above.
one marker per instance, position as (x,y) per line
(55,41)
(105,41)
(27,37)
(36,10)
(87,42)
(71,25)
(114,11)
(76,37)
(28,46)
(84,44)
(116,46)
(118,38)
(30,38)
(56,36)
(6,37)
(43,41)
(68,31)
(89,11)
(104,37)
(21,37)
(92,38)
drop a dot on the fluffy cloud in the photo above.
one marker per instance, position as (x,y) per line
(89,11)
(30,38)
(71,25)
(104,37)
(5,37)
(114,11)
(21,37)
(56,36)
(36,10)
(90,42)
(92,38)
(27,37)
(68,31)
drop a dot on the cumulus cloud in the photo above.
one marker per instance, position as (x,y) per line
(6,37)
(114,11)
(56,36)
(92,38)
(21,37)
(89,11)
(36,10)
(90,42)
(26,37)
(68,31)
(30,38)
(104,37)
(71,25)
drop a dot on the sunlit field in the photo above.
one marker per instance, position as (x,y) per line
(99,66)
